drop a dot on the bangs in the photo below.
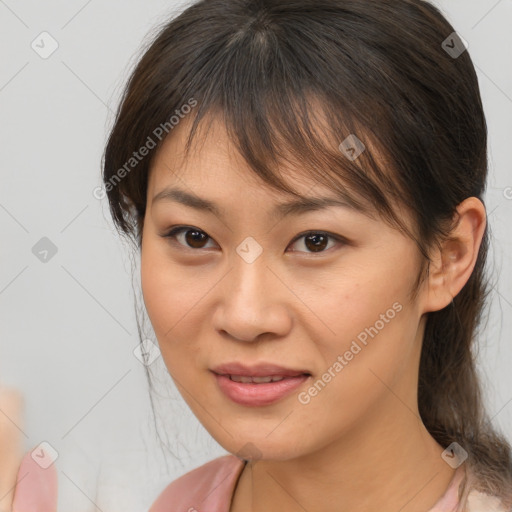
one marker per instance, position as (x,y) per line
(278,117)
(303,141)
(295,89)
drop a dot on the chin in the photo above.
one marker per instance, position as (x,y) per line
(261,449)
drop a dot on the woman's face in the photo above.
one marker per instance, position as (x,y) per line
(246,285)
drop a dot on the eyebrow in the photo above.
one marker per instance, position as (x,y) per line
(294,207)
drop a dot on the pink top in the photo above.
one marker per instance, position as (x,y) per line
(210,488)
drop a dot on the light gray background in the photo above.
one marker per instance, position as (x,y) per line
(68,326)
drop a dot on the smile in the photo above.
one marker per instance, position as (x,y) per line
(258,391)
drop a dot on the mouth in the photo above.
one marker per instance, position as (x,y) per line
(267,388)
(261,380)
(269,372)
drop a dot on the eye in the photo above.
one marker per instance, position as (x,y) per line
(316,241)
(194,238)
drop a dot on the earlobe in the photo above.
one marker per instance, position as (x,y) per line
(453,262)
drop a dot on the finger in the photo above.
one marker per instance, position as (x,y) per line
(11,443)
(36,489)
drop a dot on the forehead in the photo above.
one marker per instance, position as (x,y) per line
(214,162)
(213,159)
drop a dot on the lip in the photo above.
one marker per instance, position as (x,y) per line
(258,395)
(254,394)
(259,370)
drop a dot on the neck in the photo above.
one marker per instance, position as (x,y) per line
(396,466)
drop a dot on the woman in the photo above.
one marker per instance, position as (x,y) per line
(373,104)
(304,182)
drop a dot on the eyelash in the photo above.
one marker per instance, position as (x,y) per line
(174,232)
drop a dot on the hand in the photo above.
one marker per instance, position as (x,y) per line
(24,485)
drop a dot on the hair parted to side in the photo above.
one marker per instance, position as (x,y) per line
(291,80)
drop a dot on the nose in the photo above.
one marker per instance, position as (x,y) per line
(252,302)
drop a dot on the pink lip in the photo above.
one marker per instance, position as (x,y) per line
(257,395)
(259,370)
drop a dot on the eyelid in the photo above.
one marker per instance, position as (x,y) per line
(175,230)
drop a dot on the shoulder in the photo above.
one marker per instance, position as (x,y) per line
(208,487)
(480,498)
(480,502)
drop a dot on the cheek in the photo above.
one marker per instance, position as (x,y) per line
(365,327)
(165,287)
(357,377)
(356,298)
(172,297)
(155,284)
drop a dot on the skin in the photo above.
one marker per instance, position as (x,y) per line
(360,441)
(11,446)
(25,486)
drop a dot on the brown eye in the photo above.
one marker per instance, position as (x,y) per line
(195,239)
(316,241)
(192,238)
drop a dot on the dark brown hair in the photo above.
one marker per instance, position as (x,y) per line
(291,80)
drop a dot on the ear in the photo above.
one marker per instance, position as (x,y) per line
(451,265)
